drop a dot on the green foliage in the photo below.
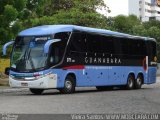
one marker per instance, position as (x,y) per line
(10,13)
(151,23)
(154,32)
(139,30)
(125,23)
(20,4)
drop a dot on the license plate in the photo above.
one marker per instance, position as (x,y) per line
(24,84)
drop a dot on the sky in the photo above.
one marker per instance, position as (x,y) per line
(116,6)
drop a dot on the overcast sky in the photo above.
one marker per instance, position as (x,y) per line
(116,6)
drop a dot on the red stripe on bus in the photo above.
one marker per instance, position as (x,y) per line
(144,64)
(74,67)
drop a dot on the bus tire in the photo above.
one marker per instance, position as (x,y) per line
(130,82)
(69,85)
(139,82)
(36,91)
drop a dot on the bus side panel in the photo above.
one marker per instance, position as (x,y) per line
(82,78)
(98,75)
(60,77)
(112,75)
(117,75)
(152,75)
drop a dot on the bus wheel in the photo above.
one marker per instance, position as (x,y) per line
(130,82)
(36,91)
(69,85)
(139,82)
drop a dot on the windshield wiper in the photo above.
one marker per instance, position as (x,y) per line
(30,60)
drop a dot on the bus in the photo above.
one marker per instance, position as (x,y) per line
(64,57)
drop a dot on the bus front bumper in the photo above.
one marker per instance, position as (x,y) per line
(49,81)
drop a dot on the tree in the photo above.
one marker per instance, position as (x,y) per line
(139,30)
(9,15)
(10,11)
(16,15)
(154,32)
(151,23)
(125,23)
(78,13)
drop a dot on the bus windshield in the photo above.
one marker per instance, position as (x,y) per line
(28,55)
(28,52)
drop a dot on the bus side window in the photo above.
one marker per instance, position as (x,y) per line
(124,46)
(64,36)
(57,49)
(151,49)
(78,43)
(137,47)
(108,45)
(94,43)
(133,46)
(142,47)
(55,55)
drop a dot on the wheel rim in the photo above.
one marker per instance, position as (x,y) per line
(68,85)
(130,83)
(139,81)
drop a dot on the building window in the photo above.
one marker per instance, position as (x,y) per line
(152,18)
(149,4)
(140,2)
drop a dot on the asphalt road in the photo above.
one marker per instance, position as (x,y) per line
(85,100)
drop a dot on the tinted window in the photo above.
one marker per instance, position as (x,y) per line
(64,36)
(151,49)
(94,43)
(107,44)
(133,46)
(78,42)
(100,44)
(57,49)
(124,45)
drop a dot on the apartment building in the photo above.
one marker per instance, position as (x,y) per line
(145,10)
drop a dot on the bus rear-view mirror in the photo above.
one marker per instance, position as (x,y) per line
(49,43)
(4,50)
